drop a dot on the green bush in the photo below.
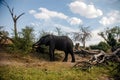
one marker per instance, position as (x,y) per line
(101,46)
(23,44)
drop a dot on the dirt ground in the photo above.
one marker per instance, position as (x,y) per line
(7,59)
(33,61)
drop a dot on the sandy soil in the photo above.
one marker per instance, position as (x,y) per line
(33,61)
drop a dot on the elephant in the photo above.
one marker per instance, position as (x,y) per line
(62,43)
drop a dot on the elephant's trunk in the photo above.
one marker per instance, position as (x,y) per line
(34,46)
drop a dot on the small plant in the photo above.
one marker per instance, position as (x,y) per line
(101,46)
(23,44)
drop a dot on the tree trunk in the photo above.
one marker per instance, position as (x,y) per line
(84,44)
(14,17)
(15,29)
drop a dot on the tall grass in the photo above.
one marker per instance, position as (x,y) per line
(33,73)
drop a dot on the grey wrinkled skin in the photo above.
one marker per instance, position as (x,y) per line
(62,43)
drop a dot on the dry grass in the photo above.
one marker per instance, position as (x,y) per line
(38,67)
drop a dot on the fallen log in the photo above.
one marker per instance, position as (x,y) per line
(85,53)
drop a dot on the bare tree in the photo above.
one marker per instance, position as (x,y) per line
(83,35)
(59,31)
(14,16)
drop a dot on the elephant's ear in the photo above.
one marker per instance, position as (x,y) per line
(47,39)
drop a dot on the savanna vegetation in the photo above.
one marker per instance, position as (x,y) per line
(26,64)
(18,61)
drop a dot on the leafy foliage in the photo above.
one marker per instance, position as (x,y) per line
(111,36)
(3,32)
(101,46)
(24,42)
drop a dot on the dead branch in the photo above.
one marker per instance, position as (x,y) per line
(14,17)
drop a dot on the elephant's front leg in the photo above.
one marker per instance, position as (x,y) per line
(73,57)
(51,53)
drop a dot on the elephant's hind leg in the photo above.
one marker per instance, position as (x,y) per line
(66,57)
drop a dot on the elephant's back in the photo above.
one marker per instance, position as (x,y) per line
(63,39)
(63,42)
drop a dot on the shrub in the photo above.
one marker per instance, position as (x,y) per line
(101,46)
(23,44)
(94,46)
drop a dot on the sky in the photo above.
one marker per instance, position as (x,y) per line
(65,14)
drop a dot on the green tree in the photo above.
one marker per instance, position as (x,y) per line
(103,46)
(3,35)
(24,42)
(111,36)
(116,31)
(3,32)
(28,38)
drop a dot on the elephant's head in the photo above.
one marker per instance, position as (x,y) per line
(45,40)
